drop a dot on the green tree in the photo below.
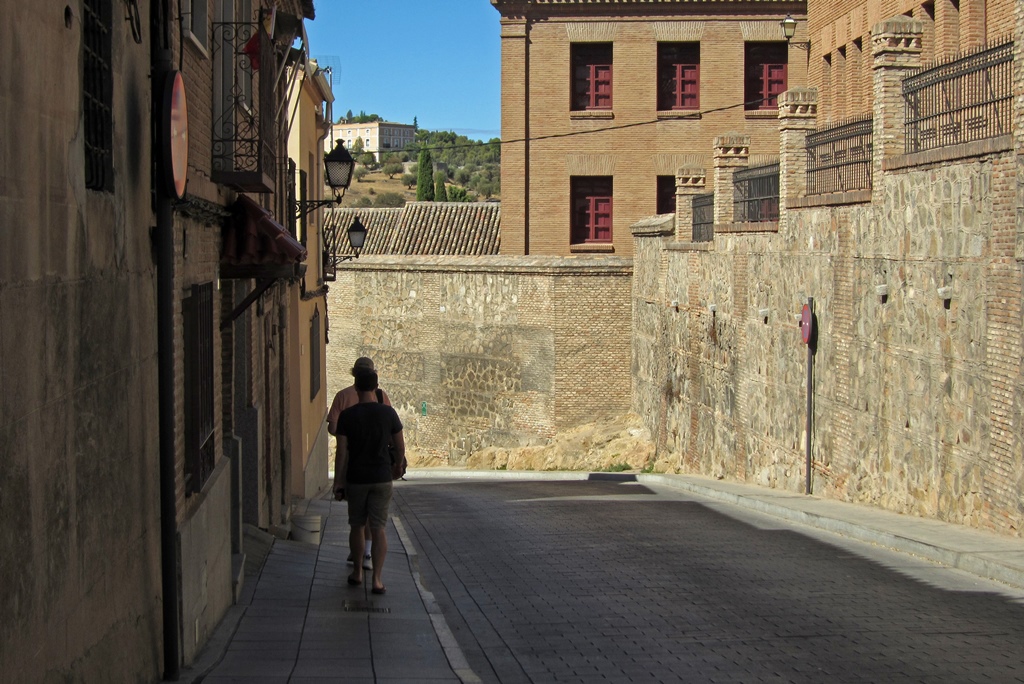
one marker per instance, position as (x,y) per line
(457,193)
(360,173)
(409,180)
(389,199)
(392,169)
(357,147)
(367,159)
(439,192)
(348,116)
(425,180)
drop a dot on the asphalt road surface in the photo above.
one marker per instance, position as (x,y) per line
(598,581)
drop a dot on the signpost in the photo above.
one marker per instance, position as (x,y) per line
(809,335)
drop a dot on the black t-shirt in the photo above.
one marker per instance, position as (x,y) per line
(368,427)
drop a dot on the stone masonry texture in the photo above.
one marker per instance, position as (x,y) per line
(486,351)
(917,373)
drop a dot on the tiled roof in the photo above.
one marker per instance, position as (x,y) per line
(424,228)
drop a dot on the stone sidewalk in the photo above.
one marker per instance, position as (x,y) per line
(298,621)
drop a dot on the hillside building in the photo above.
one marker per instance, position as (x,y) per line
(379,137)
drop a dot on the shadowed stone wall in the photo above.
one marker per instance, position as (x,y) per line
(466,347)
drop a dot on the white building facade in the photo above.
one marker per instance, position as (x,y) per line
(379,137)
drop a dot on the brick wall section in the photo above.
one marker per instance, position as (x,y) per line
(502,351)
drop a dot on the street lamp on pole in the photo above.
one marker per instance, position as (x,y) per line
(338,169)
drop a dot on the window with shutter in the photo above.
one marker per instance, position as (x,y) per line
(591,76)
(591,198)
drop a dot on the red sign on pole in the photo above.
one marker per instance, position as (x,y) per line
(807,324)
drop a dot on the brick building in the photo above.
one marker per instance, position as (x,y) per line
(603,102)
(840,64)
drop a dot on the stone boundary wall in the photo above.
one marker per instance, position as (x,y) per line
(486,351)
(918,380)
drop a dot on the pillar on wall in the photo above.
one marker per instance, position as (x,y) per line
(732,154)
(798,115)
(1018,83)
(896,49)
(690,181)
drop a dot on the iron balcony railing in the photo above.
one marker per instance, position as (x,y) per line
(244,107)
(839,157)
(756,194)
(703,222)
(966,99)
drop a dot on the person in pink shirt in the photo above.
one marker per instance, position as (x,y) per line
(344,399)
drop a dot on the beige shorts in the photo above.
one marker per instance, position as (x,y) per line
(368,502)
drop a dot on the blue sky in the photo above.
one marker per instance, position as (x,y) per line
(437,60)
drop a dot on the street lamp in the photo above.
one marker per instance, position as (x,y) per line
(789,30)
(356,238)
(338,168)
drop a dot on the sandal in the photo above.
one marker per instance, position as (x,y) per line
(379,590)
(353,581)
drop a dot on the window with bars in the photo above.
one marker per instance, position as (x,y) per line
(197,312)
(591,209)
(678,76)
(666,202)
(314,355)
(765,74)
(97,94)
(591,76)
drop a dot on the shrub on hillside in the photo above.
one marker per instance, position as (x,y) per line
(389,199)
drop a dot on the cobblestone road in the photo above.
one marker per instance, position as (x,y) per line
(594,581)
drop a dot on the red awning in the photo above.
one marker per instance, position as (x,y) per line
(257,246)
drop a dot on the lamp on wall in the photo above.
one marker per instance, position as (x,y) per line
(789,30)
(338,168)
(356,238)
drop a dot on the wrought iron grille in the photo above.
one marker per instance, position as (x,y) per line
(970,98)
(703,222)
(97,94)
(839,157)
(244,141)
(756,194)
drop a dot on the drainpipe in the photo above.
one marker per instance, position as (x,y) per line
(162,65)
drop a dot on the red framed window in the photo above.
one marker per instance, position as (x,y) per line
(666,203)
(678,76)
(765,71)
(591,76)
(591,209)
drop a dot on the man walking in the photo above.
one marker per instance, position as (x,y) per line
(363,471)
(347,398)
